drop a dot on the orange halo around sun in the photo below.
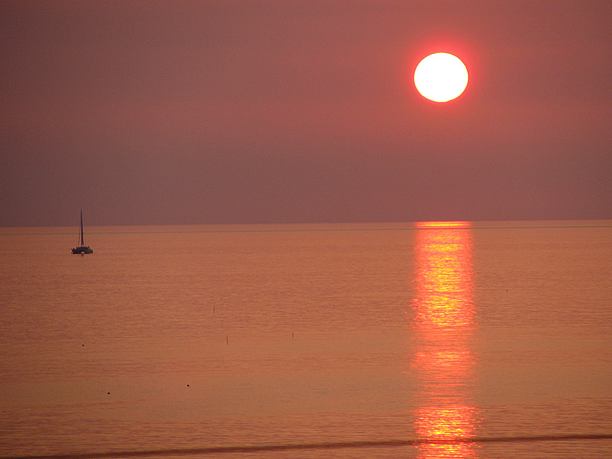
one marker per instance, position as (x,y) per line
(441,77)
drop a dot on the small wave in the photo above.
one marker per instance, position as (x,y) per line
(314,446)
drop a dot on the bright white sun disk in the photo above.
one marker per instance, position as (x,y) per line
(441,77)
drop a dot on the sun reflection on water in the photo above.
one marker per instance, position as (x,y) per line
(443,326)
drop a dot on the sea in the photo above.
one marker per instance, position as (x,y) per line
(378,340)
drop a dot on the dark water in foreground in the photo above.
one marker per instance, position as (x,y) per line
(367,340)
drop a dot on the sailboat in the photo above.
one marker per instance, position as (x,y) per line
(82,249)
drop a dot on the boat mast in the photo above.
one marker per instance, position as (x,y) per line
(82,242)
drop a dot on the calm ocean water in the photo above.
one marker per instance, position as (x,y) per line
(194,337)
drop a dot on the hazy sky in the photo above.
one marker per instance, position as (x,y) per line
(297,111)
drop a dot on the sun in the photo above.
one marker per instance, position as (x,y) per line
(441,77)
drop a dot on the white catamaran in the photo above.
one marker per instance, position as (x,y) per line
(82,249)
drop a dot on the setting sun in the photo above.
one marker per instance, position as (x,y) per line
(441,77)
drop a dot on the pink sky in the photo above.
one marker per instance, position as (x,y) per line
(302,111)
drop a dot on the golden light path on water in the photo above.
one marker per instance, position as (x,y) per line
(443,326)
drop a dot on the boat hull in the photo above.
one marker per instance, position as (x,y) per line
(82,250)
